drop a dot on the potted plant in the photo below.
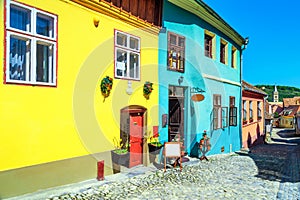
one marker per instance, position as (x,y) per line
(120,155)
(154,147)
(251,119)
(245,121)
(147,89)
(106,86)
(259,117)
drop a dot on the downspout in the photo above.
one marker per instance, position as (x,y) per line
(245,43)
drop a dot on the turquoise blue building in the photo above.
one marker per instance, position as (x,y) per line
(199,77)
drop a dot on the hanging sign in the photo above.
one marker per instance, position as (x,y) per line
(197,97)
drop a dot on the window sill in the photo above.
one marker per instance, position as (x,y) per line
(30,84)
(127,79)
(251,123)
(175,70)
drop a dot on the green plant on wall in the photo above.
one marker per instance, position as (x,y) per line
(106,86)
(147,89)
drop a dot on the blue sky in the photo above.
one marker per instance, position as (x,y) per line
(273,27)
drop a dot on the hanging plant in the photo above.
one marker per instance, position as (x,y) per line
(147,89)
(106,85)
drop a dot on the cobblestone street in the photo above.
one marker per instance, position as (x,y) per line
(269,171)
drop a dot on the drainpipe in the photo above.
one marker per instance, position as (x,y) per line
(245,43)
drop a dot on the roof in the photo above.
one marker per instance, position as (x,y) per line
(202,10)
(291,101)
(248,87)
(291,110)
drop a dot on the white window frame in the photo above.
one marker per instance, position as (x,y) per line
(34,38)
(259,110)
(251,111)
(126,48)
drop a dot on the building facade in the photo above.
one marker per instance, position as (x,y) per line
(199,77)
(253,109)
(74,73)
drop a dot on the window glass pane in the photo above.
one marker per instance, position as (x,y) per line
(18,58)
(179,91)
(20,18)
(121,39)
(134,43)
(121,64)
(134,65)
(44,25)
(44,57)
(173,39)
(181,42)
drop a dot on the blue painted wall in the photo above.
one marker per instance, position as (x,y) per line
(198,115)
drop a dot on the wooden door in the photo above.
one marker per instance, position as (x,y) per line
(176,117)
(136,139)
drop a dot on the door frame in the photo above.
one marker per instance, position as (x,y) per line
(181,97)
(125,130)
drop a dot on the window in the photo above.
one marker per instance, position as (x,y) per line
(217,112)
(220,119)
(209,46)
(233,57)
(31,43)
(259,116)
(224,117)
(223,52)
(244,111)
(176,52)
(127,56)
(250,111)
(232,112)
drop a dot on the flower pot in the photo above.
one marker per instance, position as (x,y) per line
(153,151)
(119,159)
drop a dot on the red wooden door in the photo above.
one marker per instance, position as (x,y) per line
(136,139)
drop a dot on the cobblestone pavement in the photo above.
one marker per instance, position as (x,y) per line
(269,171)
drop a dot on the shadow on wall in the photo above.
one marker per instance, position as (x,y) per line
(259,139)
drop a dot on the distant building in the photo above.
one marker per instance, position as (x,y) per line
(287,116)
(275,95)
(275,107)
(291,101)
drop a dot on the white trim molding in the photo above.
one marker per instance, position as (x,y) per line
(207,76)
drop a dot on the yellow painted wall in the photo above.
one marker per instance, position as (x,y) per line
(286,122)
(44,124)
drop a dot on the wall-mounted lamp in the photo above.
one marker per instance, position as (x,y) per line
(246,42)
(96,21)
(129,88)
(180,80)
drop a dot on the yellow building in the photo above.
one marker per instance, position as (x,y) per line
(56,124)
(286,122)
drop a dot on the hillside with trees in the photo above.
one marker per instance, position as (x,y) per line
(284,91)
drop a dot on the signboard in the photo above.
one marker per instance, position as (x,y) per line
(197,97)
(172,149)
